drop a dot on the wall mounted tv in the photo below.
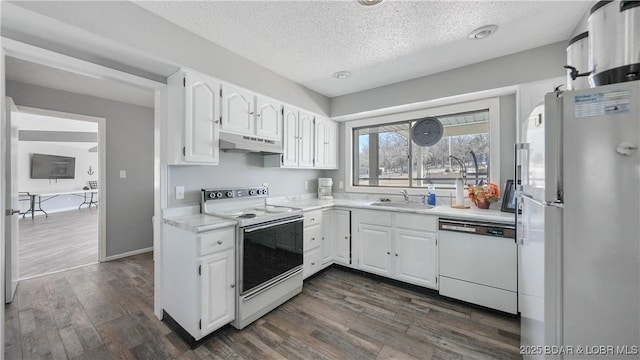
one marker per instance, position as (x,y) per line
(52,167)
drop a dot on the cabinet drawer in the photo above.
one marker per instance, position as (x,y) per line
(416,222)
(373,217)
(216,240)
(312,218)
(312,262)
(312,237)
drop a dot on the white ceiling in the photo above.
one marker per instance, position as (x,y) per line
(37,74)
(307,41)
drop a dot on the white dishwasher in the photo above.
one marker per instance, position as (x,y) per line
(479,263)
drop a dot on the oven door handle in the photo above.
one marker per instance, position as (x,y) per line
(252,229)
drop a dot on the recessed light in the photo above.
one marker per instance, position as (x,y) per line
(369,2)
(341,75)
(483,32)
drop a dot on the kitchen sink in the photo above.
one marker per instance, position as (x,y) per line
(402,205)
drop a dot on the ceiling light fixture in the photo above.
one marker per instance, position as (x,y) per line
(369,2)
(341,75)
(483,32)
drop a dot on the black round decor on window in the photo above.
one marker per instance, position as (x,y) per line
(427,131)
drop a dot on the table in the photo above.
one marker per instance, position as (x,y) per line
(48,196)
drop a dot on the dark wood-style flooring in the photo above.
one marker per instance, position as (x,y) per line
(104,311)
(61,241)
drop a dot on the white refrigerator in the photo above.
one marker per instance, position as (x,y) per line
(578,181)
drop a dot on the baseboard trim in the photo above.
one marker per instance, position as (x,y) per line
(127,254)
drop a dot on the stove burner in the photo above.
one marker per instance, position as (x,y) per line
(247,216)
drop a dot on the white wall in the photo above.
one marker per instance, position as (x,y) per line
(84,159)
(238,170)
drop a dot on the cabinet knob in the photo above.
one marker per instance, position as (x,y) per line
(388,252)
(313,263)
(396,254)
(219,242)
(346,237)
(250,112)
(312,239)
(216,121)
(233,285)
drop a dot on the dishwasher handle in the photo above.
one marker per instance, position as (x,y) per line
(483,229)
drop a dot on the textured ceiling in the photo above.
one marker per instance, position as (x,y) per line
(307,41)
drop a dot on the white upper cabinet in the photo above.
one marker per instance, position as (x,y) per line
(246,113)
(268,118)
(326,146)
(298,140)
(290,143)
(238,110)
(306,130)
(194,119)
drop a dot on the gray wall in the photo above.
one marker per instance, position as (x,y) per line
(129,147)
(145,36)
(238,170)
(523,67)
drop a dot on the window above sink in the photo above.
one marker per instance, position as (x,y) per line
(384,144)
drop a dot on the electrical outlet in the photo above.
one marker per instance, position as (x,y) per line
(340,184)
(123,174)
(265,184)
(306,185)
(179,192)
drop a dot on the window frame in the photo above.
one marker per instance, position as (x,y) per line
(492,104)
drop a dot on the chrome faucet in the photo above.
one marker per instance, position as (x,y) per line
(406,195)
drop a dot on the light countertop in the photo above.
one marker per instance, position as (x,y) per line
(472,213)
(197,223)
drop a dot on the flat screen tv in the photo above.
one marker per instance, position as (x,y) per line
(52,167)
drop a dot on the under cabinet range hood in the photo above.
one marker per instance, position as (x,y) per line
(244,143)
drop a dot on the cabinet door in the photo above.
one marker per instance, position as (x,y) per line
(268,118)
(328,237)
(331,145)
(238,115)
(312,236)
(202,125)
(375,249)
(342,241)
(305,139)
(416,257)
(218,291)
(290,141)
(321,138)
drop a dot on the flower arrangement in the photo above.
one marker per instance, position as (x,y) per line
(483,195)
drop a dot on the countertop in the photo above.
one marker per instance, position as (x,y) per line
(472,213)
(197,223)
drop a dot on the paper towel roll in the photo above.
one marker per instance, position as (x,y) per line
(459,192)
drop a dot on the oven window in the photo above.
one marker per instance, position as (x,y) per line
(270,252)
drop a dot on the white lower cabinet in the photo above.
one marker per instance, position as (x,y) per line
(312,239)
(396,245)
(198,272)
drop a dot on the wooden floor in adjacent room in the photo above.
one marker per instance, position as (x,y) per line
(58,242)
(104,311)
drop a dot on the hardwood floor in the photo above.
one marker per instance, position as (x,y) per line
(104,311)
(61,241)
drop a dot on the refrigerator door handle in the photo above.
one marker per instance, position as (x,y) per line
(517,149)
(544,203)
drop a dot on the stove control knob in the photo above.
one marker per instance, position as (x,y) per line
(212,195)
(229,194)
(260,192)
(218,194)
(252,192)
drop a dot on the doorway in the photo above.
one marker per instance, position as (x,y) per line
(59,167)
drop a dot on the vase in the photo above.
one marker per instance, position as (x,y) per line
(482,204)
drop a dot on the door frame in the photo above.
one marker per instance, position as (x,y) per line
(23,51)
(102,166)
